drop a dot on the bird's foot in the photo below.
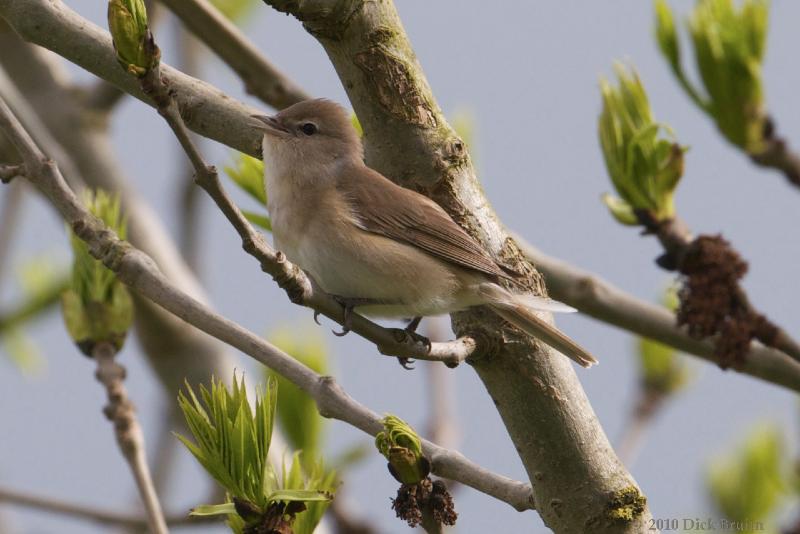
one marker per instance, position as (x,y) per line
(411,332)
(348,303)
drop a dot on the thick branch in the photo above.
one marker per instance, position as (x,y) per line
(598,298)
(139,272)
(579,482)
(260,77)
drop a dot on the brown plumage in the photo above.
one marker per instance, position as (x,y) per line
(388,250)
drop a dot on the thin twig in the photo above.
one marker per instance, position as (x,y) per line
(130,438)
(605,302)
(777,155)
(9,211)
(641,417)
(260,77)
(140,273)
(189,196)
(89,513)
(300,288)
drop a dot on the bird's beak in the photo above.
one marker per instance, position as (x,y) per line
(270,125)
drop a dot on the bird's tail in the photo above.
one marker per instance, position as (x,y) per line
(520,310)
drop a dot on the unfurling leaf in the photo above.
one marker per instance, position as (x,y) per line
(96,306)
(402,447)
(642,158)
(729,45)
(133,42)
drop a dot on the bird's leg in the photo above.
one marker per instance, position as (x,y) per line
(413,324)
(411,331)
(348,303)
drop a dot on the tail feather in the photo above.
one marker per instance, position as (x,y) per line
(515,310)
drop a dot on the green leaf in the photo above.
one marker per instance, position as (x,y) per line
(96,306)
(231,442)
(127,23)
(662,370)
(620,210)
(750,484)
(248,174)
(297,412)
(729,45)
(401,445)
(642,159)
(235,10)
(213,509)
(299,495)
(259,220)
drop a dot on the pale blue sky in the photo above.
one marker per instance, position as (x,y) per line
(528,73)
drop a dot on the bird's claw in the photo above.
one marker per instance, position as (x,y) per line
(316,317)
(406,363)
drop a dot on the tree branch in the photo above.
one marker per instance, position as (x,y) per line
(260,77)
(580,483)
(137,270)
(777,155)
(89,513)
(598,298)
(121,412)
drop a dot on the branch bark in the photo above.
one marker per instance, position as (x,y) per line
(261,78)
(137,270)
(597,298)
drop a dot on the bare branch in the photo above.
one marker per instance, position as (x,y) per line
(777,155)
(140,273)
(88,513)
(597,298)
(130,438)
(260,77)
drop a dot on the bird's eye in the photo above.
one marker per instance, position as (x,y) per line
(309,128)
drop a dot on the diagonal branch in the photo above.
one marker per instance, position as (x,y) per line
(140,273)
(597,298)
(261,78)
(89,513)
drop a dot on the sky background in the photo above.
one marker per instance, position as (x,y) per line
(528,73)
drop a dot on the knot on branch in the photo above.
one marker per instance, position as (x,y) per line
(328,20)
(290,278)
(713,304)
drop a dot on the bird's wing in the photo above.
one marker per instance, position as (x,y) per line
(383,207)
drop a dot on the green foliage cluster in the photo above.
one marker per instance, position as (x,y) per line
(42,286)
(748,485)
(232,442)
(729,46)
(661,368)
(97,307)
(645,167)
(236,10)
(297,412)
(127,22)
(248,173)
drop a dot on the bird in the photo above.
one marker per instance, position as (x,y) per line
(377,247)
